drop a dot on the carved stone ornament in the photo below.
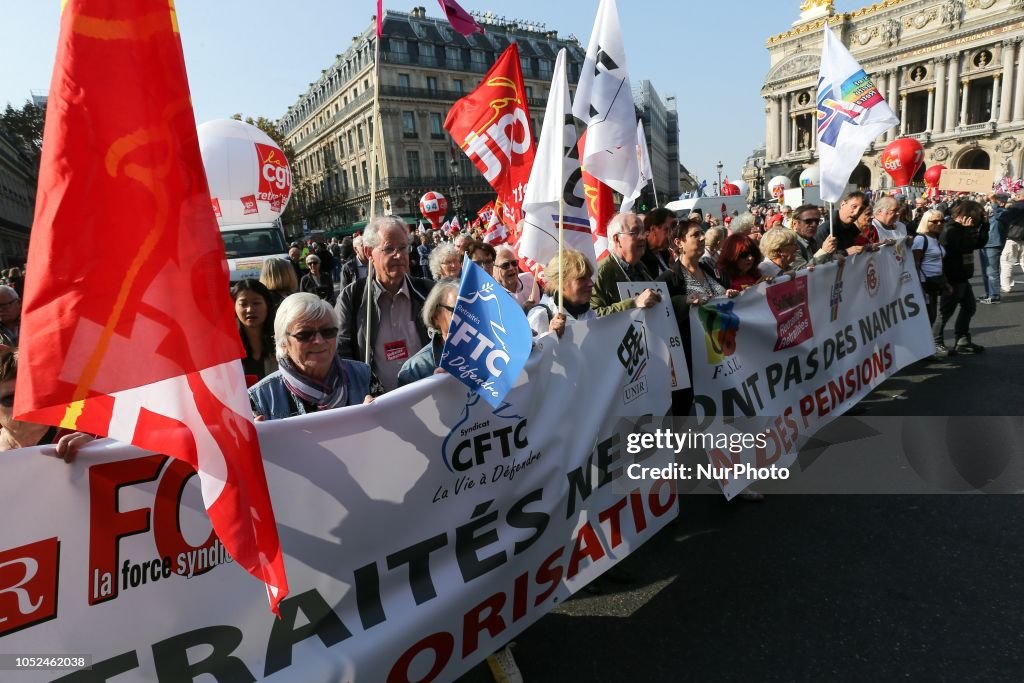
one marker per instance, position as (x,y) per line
(803,99)
(918,73)
(980,4)
(1007,145)
(1017,4)
(921,19)
(864,36)
(799,65)
(952,13)
(940,153)
(890,32)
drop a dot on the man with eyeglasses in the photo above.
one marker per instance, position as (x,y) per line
(522,286)
(394,301)
(806,220)
(10,316)
(657,257)
(627,241)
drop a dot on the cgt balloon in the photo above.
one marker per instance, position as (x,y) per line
(901,159)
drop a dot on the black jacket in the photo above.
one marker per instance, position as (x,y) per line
(960,243)
(351,309)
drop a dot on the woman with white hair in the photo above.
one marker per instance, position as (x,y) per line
(311,375)
(780,248)
(445,261)
(437,316)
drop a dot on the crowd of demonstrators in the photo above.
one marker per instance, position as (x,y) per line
(311,376)
(13,278)
(255,310)
(389,307)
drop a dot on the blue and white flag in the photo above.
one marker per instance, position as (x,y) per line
(489,339)
(851,113)
(700,188)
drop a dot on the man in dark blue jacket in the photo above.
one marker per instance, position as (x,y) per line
(993,248)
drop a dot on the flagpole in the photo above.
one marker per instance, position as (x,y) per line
(831,218)
(373,178)
(654,191)
(561,234)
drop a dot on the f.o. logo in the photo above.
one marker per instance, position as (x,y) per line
(633,348)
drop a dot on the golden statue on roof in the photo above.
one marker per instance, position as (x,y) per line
(829,5)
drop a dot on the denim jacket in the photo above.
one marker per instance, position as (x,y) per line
(270,397)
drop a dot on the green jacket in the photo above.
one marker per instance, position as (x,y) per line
(605,299)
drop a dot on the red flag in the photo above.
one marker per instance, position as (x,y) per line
(380,18)
(600,206)
(127,329)
(492,125)
(459,18)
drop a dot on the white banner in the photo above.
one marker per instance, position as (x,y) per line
(663,323)
(802,351)
(421,532)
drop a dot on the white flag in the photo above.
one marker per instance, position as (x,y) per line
(851,113)
(604,103)
(546,187)
(646,174)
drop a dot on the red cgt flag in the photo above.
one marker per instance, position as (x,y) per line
(492,125)
(128,328)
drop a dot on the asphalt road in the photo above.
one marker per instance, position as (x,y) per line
(822,587)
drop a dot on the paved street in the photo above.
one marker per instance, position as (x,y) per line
(822,588)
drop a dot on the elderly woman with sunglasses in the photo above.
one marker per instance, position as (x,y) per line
(311,375)
(437,316)
(317,281)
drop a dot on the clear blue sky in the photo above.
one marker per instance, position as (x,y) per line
(257,56)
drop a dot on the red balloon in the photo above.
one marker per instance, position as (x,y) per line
(933,174)
(730,190)
(901,159)
(433,206)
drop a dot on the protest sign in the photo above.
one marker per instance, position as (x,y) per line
(420,533)
(802,351)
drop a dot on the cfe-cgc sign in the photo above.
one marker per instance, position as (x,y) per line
(401,568)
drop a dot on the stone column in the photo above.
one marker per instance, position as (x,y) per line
(769,113)
(1004,95)
(903,113)
(996,106)
(793,133)
(938,113)
(785,125)
(966,83)
(890,97)
(952,96)
(930,112)
(1018,92)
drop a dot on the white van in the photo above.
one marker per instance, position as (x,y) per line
(247,246)
(708,206)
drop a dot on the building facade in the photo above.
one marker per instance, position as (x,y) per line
(17,202)
(952,70)
(425,67)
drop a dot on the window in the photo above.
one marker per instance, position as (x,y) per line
(399,46)
(477,61)
(436,128)
(359,135)
(412,163)
(431,84)
(366,175)
(344,180)
(403,82)
(457,85)
(427,50)
(529,92)
(409,124)
(355,178)
(440,165)
(351,147)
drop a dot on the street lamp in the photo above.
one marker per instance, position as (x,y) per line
(455,190)
(758,181)
(718,167)
(409,196)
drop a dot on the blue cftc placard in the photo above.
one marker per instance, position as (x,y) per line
(489,339)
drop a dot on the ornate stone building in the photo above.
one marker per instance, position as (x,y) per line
(425,67)
(17,201)
(952,70)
